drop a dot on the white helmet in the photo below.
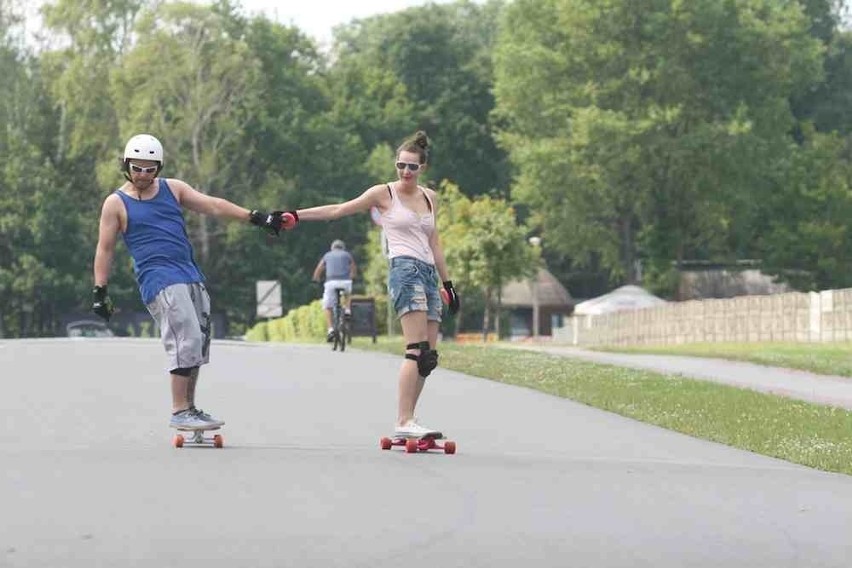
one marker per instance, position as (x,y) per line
(144,147)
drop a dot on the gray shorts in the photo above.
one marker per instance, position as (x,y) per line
(182,312)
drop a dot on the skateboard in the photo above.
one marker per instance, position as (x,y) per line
(197,437)
(419,444)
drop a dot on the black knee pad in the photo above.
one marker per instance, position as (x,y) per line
(427,360)
(183,371)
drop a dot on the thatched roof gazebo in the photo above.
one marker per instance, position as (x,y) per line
(519,296)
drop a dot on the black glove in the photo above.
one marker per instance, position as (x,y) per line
(273,222)
(101,303)
(453,302)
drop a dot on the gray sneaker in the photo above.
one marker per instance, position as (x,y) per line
(213,422)
(188,420)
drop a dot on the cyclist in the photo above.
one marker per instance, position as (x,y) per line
(340,269)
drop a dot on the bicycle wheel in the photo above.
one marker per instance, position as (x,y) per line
(339,322)
(336,330)
(344,334)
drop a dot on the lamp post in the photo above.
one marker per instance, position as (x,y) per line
(536,243)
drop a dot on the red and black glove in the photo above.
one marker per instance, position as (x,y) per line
(274,221)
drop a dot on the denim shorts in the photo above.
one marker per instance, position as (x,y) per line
(413,287)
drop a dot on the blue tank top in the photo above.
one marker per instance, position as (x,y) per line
(157,240)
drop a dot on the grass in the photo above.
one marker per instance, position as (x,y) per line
(822,358)
(800,432)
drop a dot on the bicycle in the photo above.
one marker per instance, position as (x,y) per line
(340,321)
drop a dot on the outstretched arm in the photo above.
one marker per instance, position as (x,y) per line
(370,198)
(196,201)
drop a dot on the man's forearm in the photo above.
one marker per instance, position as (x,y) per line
(102,265)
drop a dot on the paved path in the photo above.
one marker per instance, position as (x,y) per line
(823,389)
(88,477)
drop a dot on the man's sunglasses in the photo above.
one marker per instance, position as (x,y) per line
(410,166)
(141,170)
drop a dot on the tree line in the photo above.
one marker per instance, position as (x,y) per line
(625,133)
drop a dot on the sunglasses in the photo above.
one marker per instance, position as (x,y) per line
(410,166)
(142,170)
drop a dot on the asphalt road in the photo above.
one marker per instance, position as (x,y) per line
(88,476)
(828,390)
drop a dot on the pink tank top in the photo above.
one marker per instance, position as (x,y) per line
(408,232)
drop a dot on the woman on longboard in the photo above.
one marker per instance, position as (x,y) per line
(408,214)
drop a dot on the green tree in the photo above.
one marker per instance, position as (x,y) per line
(205,83)
(484,246)
(829,105)
(41,260)
(96,34)
(83,137)
(808,241)
(290,154)
(425,68)
(629,123)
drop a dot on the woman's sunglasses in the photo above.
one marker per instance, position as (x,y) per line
(410,166)
(141,170)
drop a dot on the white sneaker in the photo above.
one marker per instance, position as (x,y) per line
(412,429)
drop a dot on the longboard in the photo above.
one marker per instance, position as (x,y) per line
(197,437)
(419,444)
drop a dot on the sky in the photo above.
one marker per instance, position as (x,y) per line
(314,17)
(317,17)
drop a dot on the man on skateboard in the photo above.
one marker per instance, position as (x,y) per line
(147,211)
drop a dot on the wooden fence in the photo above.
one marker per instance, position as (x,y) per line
(794,316)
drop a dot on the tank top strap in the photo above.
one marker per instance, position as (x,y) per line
(425,196)
(428,201)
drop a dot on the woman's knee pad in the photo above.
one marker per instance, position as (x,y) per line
(427,359)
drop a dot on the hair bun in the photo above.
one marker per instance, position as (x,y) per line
(421,139)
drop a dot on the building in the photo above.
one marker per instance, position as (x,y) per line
(545,295)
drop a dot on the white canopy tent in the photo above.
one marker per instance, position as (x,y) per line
(621,299)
